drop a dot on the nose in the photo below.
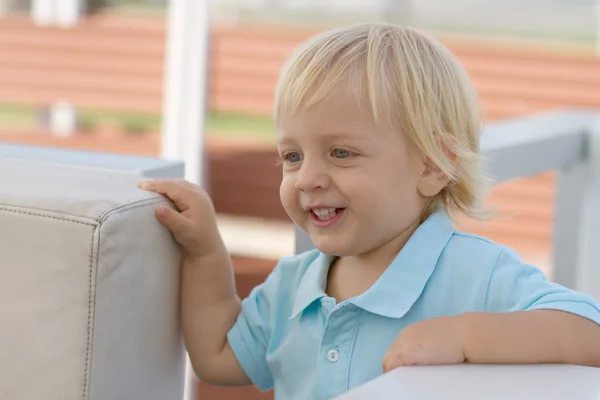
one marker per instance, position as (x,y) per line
(312,175)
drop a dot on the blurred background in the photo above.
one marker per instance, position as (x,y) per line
(94,80)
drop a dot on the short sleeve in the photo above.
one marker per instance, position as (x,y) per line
(516,286)
(249,336)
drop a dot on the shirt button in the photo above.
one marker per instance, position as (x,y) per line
(333,355)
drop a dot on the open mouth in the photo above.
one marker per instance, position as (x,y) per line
(324,217)
(325,214)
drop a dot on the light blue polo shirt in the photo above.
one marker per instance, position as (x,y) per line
(291,336)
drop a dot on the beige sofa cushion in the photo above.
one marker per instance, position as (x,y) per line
(88,287)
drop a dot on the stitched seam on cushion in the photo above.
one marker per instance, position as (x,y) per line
(35,214)
(91,300)
(138,204)
(90,279)
(91,304)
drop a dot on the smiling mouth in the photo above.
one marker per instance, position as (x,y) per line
(326,214)
(327,217)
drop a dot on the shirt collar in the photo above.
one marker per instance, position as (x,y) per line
(312,285)
(401,284)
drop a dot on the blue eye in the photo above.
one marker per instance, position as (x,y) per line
(292,157)
(341,153)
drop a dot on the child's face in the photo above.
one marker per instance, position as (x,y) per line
(346,181)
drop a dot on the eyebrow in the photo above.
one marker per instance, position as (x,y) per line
(334,135)
(285,140)
(343,135)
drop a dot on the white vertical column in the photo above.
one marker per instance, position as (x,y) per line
(43,12)
(597,9)
(63,13)
(577,226)
(69,12)
(588,268)
(186,69)
(184,101)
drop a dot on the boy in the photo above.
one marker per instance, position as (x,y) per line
(378,137)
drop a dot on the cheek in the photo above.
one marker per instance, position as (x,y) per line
(363,190)
(287,193)
(392,188)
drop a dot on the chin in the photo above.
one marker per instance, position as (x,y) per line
(332,247)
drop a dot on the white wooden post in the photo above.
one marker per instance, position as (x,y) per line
(42,12)
(69,12)
(184,105)
(597,9)
(63,13)
(577,226)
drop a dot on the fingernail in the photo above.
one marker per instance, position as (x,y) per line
(161,212)
(142,185)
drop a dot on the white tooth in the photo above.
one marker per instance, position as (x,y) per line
(325,213)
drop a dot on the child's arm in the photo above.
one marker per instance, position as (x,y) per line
(209,308)
(527,319)
(540,336)
(209,303)
(525,337)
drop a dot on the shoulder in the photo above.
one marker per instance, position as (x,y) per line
(477,257)
(469,264)
(472,249)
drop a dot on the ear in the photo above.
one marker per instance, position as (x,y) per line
(432,179)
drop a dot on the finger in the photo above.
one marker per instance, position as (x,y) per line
(390,362)
(172,220)
(170,188)
(399,358)
(385,364)
(189,184)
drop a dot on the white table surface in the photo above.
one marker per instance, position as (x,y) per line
(489,382)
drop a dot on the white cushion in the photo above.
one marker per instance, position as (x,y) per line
(88,287)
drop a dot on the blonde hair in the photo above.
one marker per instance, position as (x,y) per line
(413,83)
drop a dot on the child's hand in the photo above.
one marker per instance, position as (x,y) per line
(428,342)
(194,223)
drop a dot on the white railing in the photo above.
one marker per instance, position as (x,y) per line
(560,18)
(568,142)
